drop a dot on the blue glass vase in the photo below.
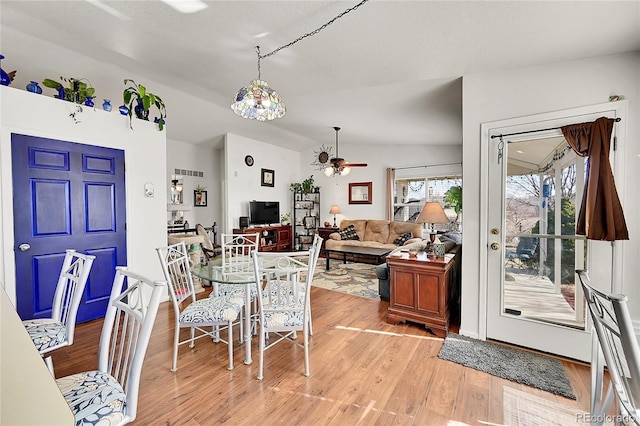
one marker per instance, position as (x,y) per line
(89,101)
(106,105)
(124,110)
(141,113)
(4,77)
(33,87)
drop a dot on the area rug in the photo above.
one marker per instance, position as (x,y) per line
(521,408)
(519,366)
(357,279)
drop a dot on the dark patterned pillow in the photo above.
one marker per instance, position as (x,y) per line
(348,233)
(403,239)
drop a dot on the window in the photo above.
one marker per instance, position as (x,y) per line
(411,193)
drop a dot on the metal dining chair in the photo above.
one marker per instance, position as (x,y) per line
(283,282)
(614,339)
(49,334)
(214,312)
(109,395)
(236,259)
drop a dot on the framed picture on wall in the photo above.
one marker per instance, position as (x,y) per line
(268,177)
(200,198)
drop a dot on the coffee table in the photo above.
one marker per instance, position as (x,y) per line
(377,253)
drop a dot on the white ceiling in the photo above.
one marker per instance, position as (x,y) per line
(388,72)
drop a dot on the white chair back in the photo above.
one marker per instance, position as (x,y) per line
(70,288)
(177,271)
(236,252)
(127,329)
(616,339)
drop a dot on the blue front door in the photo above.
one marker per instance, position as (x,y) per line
(66,196)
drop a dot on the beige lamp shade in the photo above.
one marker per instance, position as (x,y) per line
(334,211)
(432,212)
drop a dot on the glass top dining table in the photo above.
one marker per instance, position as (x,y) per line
(215,273)
(239,272)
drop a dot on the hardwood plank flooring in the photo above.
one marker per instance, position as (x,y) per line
(363,371)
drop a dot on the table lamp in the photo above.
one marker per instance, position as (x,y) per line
(432,213)
(334,211)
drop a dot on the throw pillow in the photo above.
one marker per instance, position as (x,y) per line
(348,233)
(402,239)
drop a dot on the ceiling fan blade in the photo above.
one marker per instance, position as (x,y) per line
(354,164)
(337,161)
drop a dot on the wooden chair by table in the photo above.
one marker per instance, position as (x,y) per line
(614,338)
(209,312)
(109,395)
(283,282)
(49,334)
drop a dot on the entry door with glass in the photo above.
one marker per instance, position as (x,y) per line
(533,300)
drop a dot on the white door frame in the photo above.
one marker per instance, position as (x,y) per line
(533,122)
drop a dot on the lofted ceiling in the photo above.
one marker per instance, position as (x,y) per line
(389,72)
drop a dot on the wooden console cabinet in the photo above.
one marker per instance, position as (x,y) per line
(419,290)
(272,238)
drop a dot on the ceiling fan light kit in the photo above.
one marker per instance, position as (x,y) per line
(339,167)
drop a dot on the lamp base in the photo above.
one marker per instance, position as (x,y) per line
(334,221)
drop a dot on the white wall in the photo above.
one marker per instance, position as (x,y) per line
(202,158)
(335,190)
(145,158)
(520,92)
(243,182)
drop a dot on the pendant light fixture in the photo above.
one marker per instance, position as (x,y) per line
(258,101)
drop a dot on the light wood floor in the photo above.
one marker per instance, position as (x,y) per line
(363,371)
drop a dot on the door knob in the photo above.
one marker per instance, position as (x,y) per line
(24,247)
(495,246)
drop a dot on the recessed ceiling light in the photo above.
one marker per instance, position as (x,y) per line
(520,152)
(186,6)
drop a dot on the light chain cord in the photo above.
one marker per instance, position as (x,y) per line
(312,33)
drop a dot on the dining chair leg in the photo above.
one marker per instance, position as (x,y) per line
(176,340)
(261,361)
(306,352)
(230,344)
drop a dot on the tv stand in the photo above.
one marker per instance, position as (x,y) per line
(271,238)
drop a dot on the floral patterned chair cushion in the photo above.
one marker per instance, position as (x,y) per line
(95,398)
(212,309)
(46,333)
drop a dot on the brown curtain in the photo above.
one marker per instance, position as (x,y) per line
(391,180)
(601,216)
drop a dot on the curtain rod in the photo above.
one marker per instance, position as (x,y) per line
(425,166)
(531,131)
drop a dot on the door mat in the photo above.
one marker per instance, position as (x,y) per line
(519,366)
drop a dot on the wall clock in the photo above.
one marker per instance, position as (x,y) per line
(248,160)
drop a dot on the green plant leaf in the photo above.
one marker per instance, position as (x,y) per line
(47,82)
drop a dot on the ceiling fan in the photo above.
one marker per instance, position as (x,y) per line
(338,165)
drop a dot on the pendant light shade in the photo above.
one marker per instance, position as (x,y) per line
(258,101)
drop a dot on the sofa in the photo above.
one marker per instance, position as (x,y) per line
(452,243)
(375,233)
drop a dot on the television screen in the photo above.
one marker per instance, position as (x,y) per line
(264,212)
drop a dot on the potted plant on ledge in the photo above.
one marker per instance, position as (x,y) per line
(139,100)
